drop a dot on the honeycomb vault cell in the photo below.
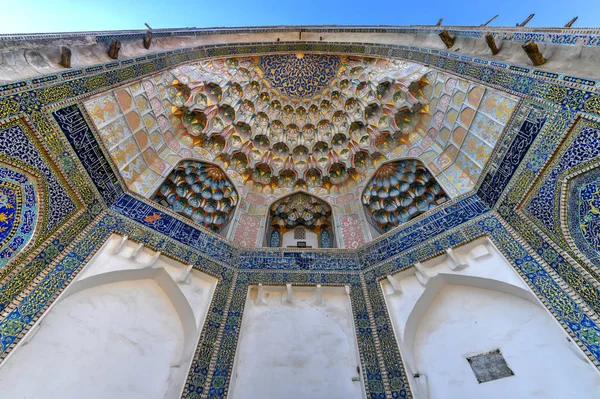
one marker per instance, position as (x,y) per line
(201,192)
(400,191)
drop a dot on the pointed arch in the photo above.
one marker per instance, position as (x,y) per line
(300,209)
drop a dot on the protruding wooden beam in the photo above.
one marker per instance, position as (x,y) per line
(491,42)
(526,20)
(65,57)
(533,52)
(439,22)
(446,38)
(148,40)
(113,50)
(571,22)
(491,19)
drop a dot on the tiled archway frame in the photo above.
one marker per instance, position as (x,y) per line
(388,380)
(549,244)
(42,151)
(570,185)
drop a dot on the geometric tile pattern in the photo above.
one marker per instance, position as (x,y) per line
(72,123)
(353,235)
(583,214)
(16,145)
(19,210)
(246,231)
(133,125)
(467,122)
(536,258)
(581,146)
(300,76)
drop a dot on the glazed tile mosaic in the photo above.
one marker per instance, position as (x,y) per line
(15,144)
(19,210)
(514,148)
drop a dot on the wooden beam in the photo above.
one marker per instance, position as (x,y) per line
(491,42)
(571,22)
(65,57)
(491,19)
(148,40)
(113,50)
(533,52)
(446,38)
(526,20)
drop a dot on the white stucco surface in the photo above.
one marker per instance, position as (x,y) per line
(466,321)
(125,328)
(311,240)
(112,341)
(443,314)
(299,350)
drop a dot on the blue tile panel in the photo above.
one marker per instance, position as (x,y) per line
(298,260)
(164,223)
(79,134)
(413,234)
(15,144)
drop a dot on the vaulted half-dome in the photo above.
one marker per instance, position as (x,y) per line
(294,215)
(201,192)
(400,191)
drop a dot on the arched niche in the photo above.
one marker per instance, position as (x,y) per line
(398,192)
(117,340)
(300,218)
(467,321)
(125,328)
(200,191)
(443,316)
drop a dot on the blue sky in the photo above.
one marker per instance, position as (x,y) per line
(28,16)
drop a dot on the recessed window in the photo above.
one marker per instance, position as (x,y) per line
(299,233)
(489,366)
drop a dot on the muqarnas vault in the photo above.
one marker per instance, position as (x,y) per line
(314,212)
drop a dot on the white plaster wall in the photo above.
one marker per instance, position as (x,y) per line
(311,240)
(442,316)
(298,350)
(125,328)
(465,321)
